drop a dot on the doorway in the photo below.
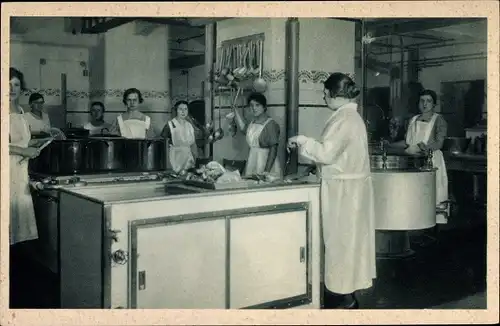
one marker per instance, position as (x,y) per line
(461,105)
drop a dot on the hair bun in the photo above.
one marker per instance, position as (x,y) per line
(352,90)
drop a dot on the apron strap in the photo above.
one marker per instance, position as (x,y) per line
(430,127)
(121,125)
(411,125)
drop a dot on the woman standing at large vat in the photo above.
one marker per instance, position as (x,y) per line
(427,131)
(133,124)
(347,205)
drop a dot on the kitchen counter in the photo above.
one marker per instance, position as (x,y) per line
(172,189)
(466,162)
(154,245)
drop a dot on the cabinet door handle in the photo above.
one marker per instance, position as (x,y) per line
(142,280)
(302,254)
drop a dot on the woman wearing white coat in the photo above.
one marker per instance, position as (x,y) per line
(347,204)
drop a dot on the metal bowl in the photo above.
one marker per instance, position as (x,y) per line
(456,145)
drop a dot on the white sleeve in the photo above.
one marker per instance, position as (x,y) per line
(334,143)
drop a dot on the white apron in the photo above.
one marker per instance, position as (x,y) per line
(22,215)
(38,125)
(133,128)
(420,131)
(347,201)
(257,157)
(180,154)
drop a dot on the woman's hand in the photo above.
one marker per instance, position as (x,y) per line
(413,150)
(423,147)
(295,142)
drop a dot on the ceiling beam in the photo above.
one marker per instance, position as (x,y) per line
(144,28)
(104,25)
(204,21)
(415,25)
(168,21)
(187,62)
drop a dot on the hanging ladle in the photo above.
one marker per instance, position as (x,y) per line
(260,84)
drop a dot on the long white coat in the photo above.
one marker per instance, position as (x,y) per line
(347,202)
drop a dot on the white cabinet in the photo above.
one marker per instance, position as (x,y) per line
(268,258)
(180,266)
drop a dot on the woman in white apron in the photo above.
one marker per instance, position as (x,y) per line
(180,139)
(133,124)
(262,136)
(97,125)
(427,131)
(22,226)
(347,204)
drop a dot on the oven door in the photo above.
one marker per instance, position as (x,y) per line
(46,204)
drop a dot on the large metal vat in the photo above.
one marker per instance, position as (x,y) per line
(405,199)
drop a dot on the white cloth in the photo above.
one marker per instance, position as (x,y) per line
(22,214)
(96,130)
(180,154)
(347,201)
(420,131)
(257,157)
(133,128)
(37,125)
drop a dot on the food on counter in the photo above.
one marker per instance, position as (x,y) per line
(229,176)
(207,173)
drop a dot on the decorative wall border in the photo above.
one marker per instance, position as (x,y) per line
(305,76)
(271,76)
(118,93)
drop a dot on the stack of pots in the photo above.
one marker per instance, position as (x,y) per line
(81,154)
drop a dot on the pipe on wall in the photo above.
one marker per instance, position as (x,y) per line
(292,86)
(208,92)
(364,72)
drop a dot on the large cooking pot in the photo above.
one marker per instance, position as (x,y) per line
(146,154)
(396,161)
(62,157)
(107,154)
(456,145)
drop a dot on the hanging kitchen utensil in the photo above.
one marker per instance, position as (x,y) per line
(233,128)
(229,75)
(222,79)
(237,66)
(218,67)
(245,66)
(219,133)
(260,84)
(255,68)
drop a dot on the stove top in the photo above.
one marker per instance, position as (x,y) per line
(87,179)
